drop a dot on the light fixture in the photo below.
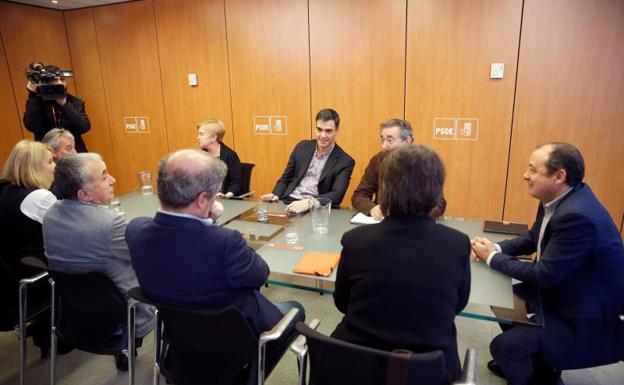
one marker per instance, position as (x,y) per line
(55,1)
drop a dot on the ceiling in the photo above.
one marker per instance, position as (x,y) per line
(64,5)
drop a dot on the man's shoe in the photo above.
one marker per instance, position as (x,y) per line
(121,362)
(545,376)
(496,369)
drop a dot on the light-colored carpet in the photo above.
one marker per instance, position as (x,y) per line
(78,368)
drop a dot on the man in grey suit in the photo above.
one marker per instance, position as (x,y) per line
(81,234)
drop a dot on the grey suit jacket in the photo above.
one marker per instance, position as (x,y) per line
(80,237)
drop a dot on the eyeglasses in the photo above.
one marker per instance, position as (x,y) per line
(389,140)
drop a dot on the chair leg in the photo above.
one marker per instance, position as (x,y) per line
(131,340)
(53,335)
(303,367)
(157,347)
(23,301)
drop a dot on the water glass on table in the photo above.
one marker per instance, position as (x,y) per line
(145,181)
(291,234)
(115,205)
(320,210)
(262,212)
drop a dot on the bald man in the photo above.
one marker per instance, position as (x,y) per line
(182,259)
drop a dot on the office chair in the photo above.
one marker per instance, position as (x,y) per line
(204,346)
(15,309)
(333,361)
(88,313)
(246,169)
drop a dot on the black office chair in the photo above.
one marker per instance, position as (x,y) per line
(16,311)
(333,361)
(207,347)
(246,169)
(88,313)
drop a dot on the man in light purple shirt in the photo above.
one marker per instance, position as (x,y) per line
(316,168)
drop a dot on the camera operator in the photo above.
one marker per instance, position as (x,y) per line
(46,111)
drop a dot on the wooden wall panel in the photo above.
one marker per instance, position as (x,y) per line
(126,36)
(269,70)
(570,88)
(450,45)
(192,39)
(82,38)
(29,34)
(357,52)
(11,128)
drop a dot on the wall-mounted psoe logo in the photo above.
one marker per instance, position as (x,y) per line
(456,128)
(270,125)
(136,124)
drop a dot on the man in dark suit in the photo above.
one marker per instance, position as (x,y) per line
(575,283)
(182,259)
(316,168)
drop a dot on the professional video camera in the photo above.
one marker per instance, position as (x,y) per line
(48,88)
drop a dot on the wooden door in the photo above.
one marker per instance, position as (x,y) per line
(269,76)
(357,56)
(570,89)
(450,47)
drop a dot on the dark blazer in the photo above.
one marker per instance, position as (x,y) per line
(400,284)
(334,179)
(232,181)
(184,262)
(579,278)
(39,118)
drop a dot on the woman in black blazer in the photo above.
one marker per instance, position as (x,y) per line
(210,136)
(401,282)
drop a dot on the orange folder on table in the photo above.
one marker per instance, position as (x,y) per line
(317,263)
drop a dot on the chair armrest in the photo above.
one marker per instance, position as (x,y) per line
(469,370)
(34,262)
(33,279)
(299,346)
(279,328)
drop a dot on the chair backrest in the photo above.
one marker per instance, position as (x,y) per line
(92,313)
(205,346)
(333,361)
(9,286)
(246,169)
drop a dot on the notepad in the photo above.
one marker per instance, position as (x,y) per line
(363,219)
(505,227)
(317,263)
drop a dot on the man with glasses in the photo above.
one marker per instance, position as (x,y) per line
(393,133)
(316,168)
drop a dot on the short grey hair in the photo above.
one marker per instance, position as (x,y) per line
(405,128)
(53,137)
(178,187)
(72,174)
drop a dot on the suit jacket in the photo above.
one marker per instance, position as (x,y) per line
(232,181)
(362,199)
(183,262)
(579,277)
(334,179)
(80,238)
(400,284)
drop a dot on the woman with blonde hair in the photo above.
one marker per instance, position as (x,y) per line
(24,199)
(29,172)
(210,138)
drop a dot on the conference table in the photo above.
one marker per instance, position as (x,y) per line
(491,294)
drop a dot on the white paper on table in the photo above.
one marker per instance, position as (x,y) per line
(362,219)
